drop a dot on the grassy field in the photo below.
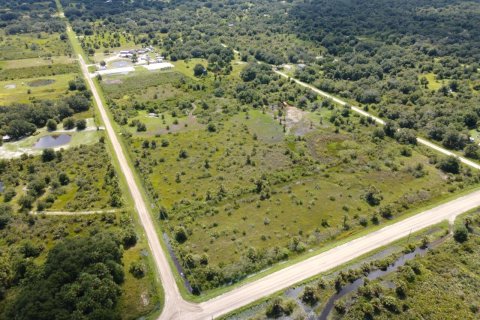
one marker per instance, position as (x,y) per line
(41,88)
(138,83)
(247,189)
(27,46)
(35,62)
(433,84)
(186,67)
(297,206)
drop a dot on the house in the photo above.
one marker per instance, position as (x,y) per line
(6,138)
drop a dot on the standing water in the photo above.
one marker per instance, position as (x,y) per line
(52,141)
(371,276)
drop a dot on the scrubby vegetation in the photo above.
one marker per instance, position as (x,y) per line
(447,275)
(433,266)
(77,179)
(265,162)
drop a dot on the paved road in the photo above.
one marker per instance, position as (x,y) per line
(378,120)
(173,300)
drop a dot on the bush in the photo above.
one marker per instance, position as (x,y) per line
(390,303)
(406,136)
(372,196)
(51,125)
(137,269)
(450,164)
(63,179)
(68,123)
(5,215)
(309,295)
(48,155)
(180,234)
(460,234)
(279,307)
(81,124)
(199,70)
(129,238)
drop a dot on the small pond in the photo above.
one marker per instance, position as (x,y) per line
(121,64)
(52,141)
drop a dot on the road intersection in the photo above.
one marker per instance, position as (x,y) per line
(175,307)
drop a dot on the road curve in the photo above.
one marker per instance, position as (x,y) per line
(174,302)
(378,120)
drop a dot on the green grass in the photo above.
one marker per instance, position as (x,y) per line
(186,67)
(35,62)
(433,83)
(18,90)
(124,86)
(226,229)
(28,46)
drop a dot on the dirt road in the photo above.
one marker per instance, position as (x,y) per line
(378,120)
(173,299)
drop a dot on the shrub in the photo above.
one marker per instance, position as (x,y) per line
(279,307)
(450,164)
(309,295)
(460,234)
(180,234)
(48,155)
(5,215)
(68,123)
(137,269)
(372,196)
(51,125)
(81,124)
(129,238)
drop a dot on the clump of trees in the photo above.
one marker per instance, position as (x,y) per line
(81,277)
(20,120)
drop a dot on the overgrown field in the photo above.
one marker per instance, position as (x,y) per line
(430,275)
(33,89)
(240,188)
(77,179)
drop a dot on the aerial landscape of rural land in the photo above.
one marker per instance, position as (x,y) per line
(239,159)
